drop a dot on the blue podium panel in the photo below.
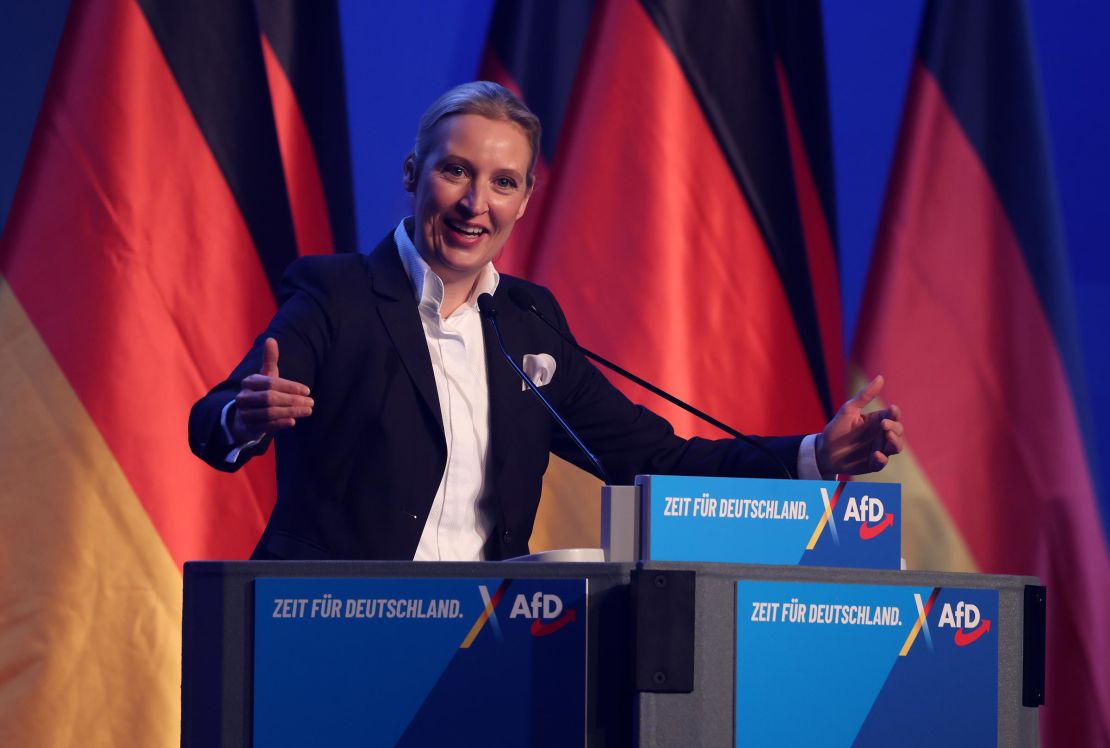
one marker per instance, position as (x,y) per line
(414,662)
(763,521)
(865,665)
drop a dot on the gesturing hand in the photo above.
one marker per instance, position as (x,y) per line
(267,403)
(857,442)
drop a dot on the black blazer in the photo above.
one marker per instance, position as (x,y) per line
(356,480)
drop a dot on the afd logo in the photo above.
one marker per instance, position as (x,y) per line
(965,618)
(544,610)
(870,513)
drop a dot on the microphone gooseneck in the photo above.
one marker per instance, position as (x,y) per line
(524,300)
(489,312)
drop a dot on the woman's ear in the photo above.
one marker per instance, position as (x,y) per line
(409,179)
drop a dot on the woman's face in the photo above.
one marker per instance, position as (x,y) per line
(471,189)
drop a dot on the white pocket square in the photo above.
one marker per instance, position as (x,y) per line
(539,367)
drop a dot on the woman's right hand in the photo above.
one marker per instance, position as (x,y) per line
(266,403)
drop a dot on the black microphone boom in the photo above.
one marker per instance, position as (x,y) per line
(523,299)
(486,307)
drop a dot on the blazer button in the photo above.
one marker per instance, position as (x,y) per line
(507,537)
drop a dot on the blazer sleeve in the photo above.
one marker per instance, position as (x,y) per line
(303,327)
(629,439)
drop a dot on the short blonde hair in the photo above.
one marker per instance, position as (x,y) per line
(483,98)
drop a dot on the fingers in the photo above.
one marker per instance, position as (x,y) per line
(270,358)
(892,426)
(888,441)
(864,397)
(261,413)
(262,399)
(268,421)
(263,383)
(893,445)
(271,411)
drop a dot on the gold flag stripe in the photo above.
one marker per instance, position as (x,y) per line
(90,599)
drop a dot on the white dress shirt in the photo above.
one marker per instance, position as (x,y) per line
(457,527)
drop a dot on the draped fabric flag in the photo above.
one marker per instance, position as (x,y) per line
(150,224)
(967,312)
(683,212)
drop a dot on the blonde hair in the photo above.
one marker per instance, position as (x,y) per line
(483,98)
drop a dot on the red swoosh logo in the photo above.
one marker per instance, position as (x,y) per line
(867,532)
(963,638)
(540,628)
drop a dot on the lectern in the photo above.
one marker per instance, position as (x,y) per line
(660,654)
(670,642)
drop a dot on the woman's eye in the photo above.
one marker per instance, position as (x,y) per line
(506,183)
(453,170)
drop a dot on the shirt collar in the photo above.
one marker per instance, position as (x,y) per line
(427,286)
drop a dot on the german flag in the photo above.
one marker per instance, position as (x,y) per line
(151,222)
(967,311)
(684,215)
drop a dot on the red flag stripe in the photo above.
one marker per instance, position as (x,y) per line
(647,225)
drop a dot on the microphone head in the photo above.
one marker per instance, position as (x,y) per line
(522,298)
(486,307)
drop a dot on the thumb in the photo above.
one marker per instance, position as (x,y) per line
(864,397)
(270,358)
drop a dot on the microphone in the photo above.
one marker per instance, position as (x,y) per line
(486,307)
(523,299)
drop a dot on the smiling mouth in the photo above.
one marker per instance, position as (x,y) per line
(472,231)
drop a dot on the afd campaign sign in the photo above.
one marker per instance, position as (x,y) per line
(865,665)
(764,521)
(417,662)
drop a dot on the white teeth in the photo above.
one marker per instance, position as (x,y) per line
(464,229)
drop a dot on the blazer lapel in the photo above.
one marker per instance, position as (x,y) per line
(399,314)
